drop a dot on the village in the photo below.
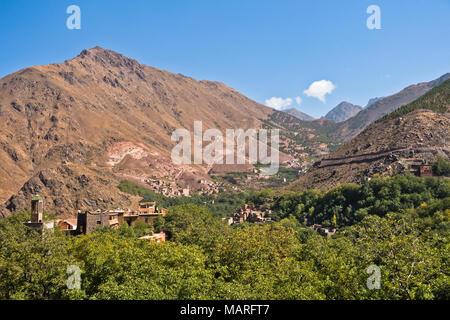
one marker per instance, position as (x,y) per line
(86,222)
(172,190)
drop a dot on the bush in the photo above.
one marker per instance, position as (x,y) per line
(441,167)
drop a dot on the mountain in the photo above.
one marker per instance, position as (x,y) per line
(372,101)
(415,132)
(353,126)
(298,114)
(303,139)
(343,111)
(70,131)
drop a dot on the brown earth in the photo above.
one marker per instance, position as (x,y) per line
(67,127)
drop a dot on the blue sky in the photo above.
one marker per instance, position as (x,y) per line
(261,48)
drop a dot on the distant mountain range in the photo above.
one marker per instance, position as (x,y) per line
(343,111)
(353,126)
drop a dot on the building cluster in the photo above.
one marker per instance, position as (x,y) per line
(168,189)
(249,214)
(86,222)
(172,190)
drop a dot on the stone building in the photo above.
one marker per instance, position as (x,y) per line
(425,171)
(37,212)
(249,214)
(147,213)
(89,221)
(418,167)
(67,224)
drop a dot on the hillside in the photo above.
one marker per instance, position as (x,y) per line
(438,99)
(418,131)
(353,126)
(303,139)
(70,131)
(343,111)
(298,114)
(372,101)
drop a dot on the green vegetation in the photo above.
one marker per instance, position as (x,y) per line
(351,203)
(401,225)
(437,99)
(241,179)
(441,167)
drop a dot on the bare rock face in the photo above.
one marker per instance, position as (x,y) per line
(59,122)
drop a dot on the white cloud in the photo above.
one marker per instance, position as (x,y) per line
(318,89)
(298,100)
(278,103)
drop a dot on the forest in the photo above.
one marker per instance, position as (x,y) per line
(399,225)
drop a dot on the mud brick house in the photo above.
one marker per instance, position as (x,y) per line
(67,224)
(425,171)
(249,214)
(147,213)
(89,221)
(419,167)
(147,207)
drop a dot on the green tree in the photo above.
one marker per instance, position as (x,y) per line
(441,167)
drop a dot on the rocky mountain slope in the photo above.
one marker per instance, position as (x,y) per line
(298,114)
(68,127)
(343,111)
(372,101)
(417,131)
(353,126)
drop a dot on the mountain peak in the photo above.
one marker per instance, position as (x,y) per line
(343,111)
(106,58)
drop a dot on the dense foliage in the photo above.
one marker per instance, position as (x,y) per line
(441,167)
(403,231)
(351,203)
